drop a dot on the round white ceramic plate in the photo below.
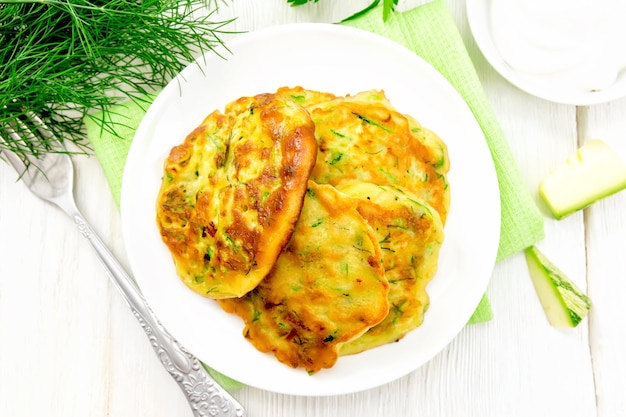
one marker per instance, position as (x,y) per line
(478,15)
(340,60)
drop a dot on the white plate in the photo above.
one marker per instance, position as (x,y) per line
(340,60)
(552,89)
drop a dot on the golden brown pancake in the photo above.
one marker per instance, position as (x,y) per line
(410,234)
(362,138)
(232,193)
(327,287)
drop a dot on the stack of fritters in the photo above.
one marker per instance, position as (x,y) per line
(317,219)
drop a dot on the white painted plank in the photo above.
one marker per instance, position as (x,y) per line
(606,266)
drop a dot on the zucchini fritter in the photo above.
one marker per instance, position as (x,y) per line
(362,138)
(410,234)
(232,193)
(327,287)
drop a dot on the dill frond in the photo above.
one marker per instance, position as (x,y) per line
(388,7)
(64,58)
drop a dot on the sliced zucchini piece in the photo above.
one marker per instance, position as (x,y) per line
(563,302)
(595,171)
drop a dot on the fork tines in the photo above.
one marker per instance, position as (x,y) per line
(28,138)
(30,133)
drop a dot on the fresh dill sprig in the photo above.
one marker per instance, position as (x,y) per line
(388,7)
(299,2)
(62,59)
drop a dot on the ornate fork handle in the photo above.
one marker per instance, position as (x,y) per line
(206,397)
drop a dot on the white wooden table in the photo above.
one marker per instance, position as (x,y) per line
(69,346)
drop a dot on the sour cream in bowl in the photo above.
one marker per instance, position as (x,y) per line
(569,51)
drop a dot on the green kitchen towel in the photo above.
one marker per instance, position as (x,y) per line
(431,33)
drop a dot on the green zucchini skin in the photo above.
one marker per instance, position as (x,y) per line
(564,303)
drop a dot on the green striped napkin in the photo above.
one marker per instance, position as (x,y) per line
(431,33)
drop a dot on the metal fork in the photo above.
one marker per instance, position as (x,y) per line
(50,177)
